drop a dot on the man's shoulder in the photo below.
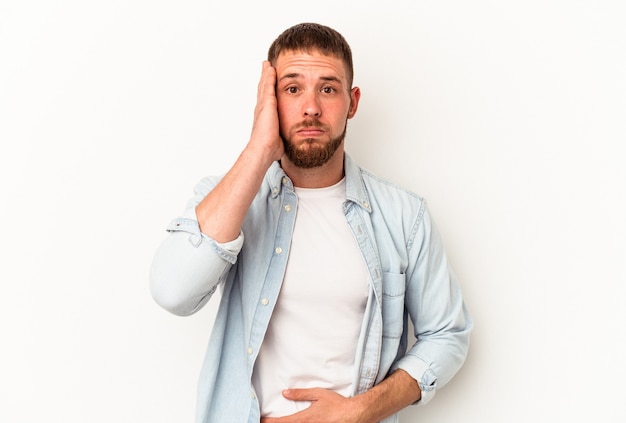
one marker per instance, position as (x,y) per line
(383,185)
(369,187)
(386,193)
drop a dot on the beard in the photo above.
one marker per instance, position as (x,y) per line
(310,154)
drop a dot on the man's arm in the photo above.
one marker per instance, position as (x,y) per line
(441,322)
(396,392)
(221,213)
(186,269)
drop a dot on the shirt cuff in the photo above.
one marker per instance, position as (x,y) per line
(227,250)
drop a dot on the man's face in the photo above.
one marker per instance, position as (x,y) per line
(314,104)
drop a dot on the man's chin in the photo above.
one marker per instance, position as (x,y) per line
(308,153)
(310,157)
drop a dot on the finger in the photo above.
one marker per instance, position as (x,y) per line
(267,82)
(301,394)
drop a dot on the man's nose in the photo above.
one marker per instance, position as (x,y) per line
(311,105)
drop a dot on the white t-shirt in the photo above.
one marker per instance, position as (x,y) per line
(313,333)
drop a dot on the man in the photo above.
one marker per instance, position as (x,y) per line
(312,324)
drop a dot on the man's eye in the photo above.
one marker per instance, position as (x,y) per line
(292,90)
(328,90)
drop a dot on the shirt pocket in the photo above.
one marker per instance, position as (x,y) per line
(394,287)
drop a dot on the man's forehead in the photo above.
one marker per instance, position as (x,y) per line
(295,61)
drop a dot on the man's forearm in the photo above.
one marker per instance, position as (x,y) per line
(393,394)
(221,213)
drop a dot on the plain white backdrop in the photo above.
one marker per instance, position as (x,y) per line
(507,116)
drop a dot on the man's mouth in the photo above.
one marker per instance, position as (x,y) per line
(310,129)
(310,132)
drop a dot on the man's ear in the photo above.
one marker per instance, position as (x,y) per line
(355,96)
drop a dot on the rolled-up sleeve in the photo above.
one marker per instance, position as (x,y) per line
(440,318)
(188,266)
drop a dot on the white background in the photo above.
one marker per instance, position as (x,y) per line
(508,116)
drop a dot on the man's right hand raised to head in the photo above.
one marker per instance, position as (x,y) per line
(221,213)
(265,128)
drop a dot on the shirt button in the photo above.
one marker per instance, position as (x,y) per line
(279,250)
(265,301)
(252,395)
(288,207)
(285,180)
(249,351)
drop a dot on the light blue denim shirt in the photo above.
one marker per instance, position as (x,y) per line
(410,278)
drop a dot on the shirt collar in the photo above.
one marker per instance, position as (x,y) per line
(355,187)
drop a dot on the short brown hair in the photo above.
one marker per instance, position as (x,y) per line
(311,36)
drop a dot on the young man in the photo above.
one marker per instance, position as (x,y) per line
(312,324)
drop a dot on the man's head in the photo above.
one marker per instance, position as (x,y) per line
(314,92)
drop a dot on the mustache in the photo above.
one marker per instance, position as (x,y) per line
(310,123)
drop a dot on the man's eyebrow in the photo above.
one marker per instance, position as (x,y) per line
(331,79)
(290,76)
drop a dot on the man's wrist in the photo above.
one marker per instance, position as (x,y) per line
(361,409)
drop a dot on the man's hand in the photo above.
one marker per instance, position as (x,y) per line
(326,407)
(394,393)
(265,129)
